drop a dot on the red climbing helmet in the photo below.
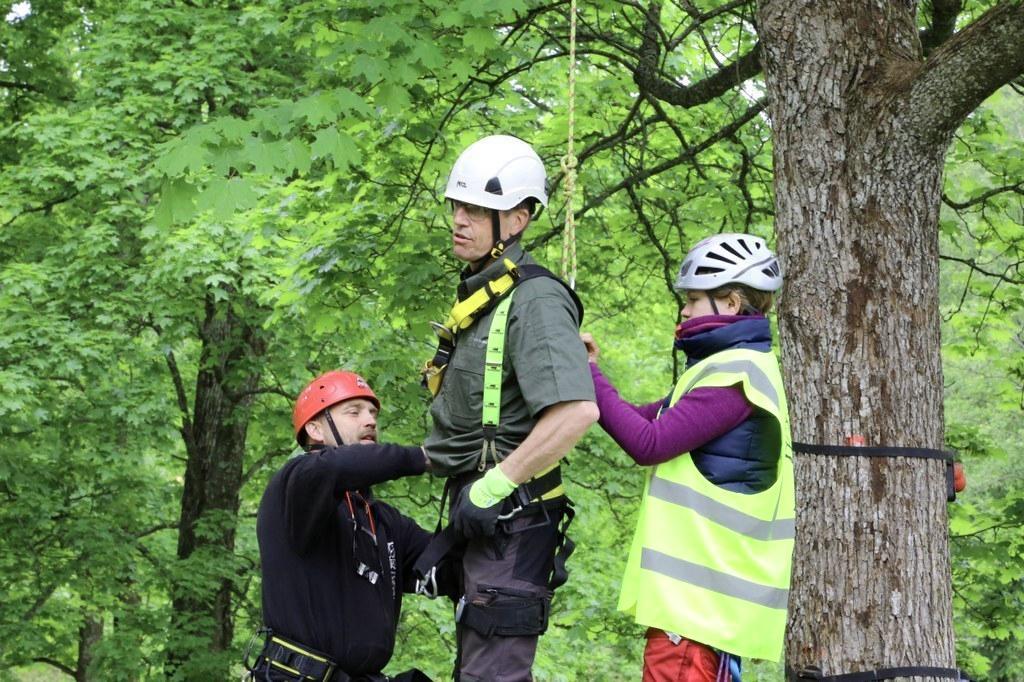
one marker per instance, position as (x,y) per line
(327,389)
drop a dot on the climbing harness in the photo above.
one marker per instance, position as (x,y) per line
(493,362)
(504,612)
(729,668)
(282,656)
(466,311)
(540,495)
(569,163)
(463,314)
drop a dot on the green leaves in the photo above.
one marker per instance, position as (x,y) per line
(337,146)
(275,170)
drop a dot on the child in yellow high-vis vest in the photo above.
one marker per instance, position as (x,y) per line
(708,570)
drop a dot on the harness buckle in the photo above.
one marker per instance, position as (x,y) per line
(520,499)
(512,514)
(442,331)
(521,502)
(488,448)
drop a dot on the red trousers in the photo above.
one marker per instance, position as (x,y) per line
(684,662)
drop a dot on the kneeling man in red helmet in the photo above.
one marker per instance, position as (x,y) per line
(335,560)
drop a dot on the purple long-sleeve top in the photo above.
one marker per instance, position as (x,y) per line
(701,415)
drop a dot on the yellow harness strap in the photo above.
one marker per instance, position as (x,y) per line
(461,316)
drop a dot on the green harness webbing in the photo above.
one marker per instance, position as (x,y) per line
(493,363)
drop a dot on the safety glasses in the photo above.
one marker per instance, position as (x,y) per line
(472,210)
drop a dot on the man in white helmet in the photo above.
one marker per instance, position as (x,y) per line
(512,395)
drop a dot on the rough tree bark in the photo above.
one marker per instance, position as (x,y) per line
(861,124)
(215,443)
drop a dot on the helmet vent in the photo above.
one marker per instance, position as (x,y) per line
(746,247)
(720,257)
(686,268)
(705,270)
(493,186)
(728,247)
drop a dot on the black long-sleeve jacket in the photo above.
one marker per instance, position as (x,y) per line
(314,532)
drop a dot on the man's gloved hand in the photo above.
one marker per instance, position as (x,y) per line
(476,510)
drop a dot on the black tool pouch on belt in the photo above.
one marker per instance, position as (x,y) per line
(504,612)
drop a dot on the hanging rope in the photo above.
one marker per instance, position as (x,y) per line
(569,163)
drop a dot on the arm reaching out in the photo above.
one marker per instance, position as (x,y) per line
(314,483)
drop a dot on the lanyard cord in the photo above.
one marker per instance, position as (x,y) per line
(369,514)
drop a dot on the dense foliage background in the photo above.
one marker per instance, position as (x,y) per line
(204,203)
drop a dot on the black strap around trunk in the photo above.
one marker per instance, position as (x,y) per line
(860,451)
(814,674)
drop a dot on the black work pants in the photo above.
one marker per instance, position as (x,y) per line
(517,561)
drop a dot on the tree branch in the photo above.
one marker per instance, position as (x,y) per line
(666,257)
(996,275)
(238,396)
(688,154)
(46,206)
(983,197)
(685,155)
(56,664)
(944,14)
(155,529)
(699,19)
(259,464)
(179,390)
(968,68)
(646,72)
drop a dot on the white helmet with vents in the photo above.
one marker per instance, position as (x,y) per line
(498,172)
(729,259)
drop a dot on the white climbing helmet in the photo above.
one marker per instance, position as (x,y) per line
(498,172)
(729,259)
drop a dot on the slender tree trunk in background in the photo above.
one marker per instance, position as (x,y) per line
(89,635)
(861,125)
(215,442)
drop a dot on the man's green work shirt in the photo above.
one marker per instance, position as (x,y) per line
(545,363)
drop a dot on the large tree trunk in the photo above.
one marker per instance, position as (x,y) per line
(215,442)
(857,201)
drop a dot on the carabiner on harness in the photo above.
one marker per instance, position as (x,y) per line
(427,586)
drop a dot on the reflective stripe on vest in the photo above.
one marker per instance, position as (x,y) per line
(722,514)
(695,574)
(711,564)
(758,378)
